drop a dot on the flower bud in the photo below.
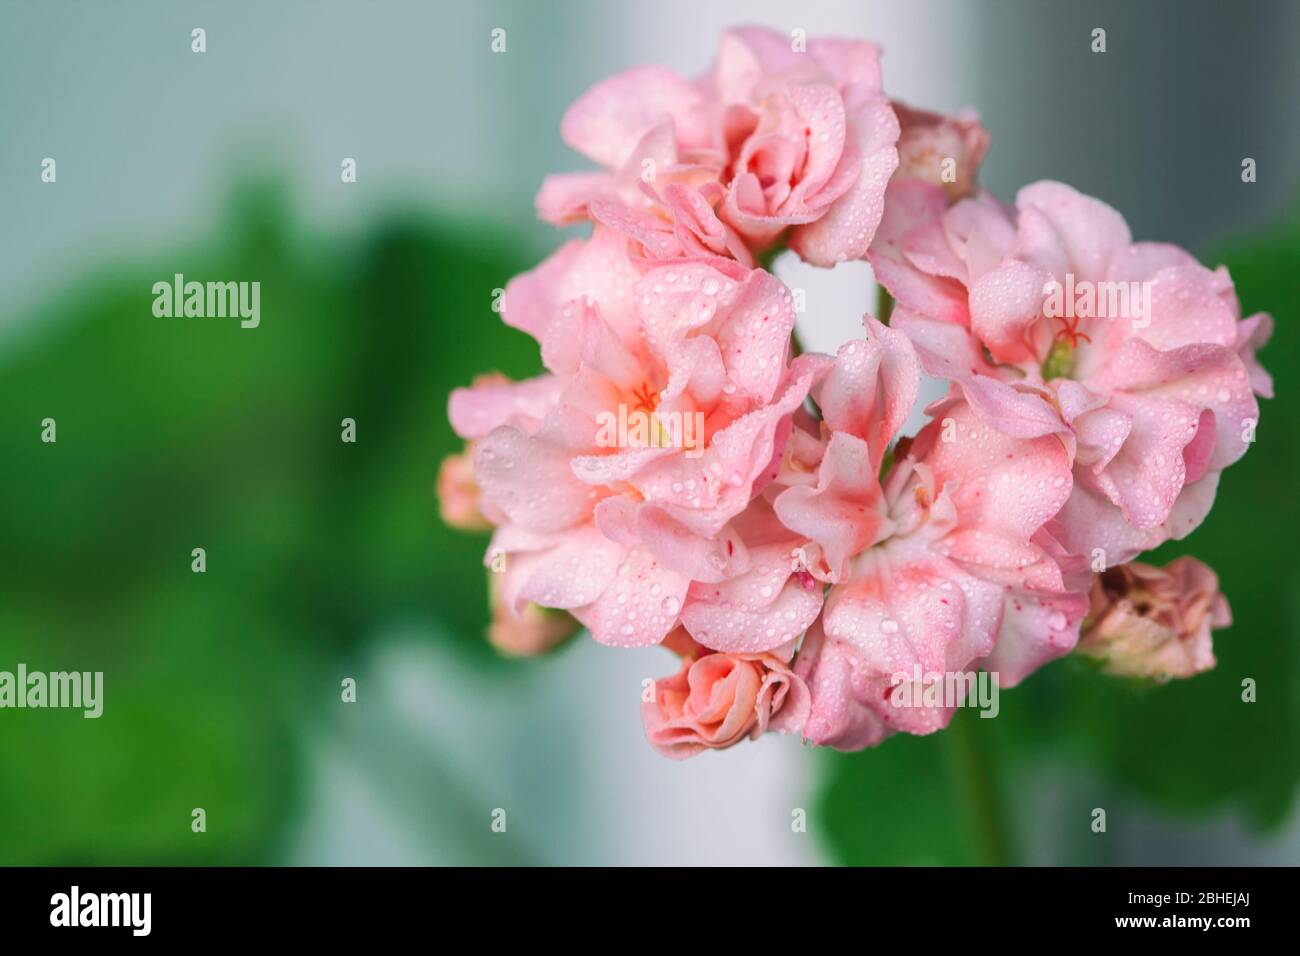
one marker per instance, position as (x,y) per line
(1155,622)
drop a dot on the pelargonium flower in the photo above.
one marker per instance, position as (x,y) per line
(938,568)
(1155,622)
(1054,322)
(945,151)
(615,532)
(676,476)
(776,140)
(715,700)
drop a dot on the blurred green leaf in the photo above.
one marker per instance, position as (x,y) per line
(894,805)
(182,433)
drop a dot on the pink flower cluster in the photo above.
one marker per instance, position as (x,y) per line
(803,558)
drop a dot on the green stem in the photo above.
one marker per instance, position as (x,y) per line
(884,304)
(765,259)
(975,786)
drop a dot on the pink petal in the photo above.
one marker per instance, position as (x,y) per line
(1062,230)
(1185,308)
(946,349)
(760,610)
(564,197)
(609,120)
(1143,260)
(531,298)
(1201,376)
(1018,412)
(838,717)
(1037,627)
(678,548)
(845,231)
(615,516)
(820,110)
(1252,334)
(913,608)
(654,235)
(705,493)
(529,479)
(477,410)
(1090,525)
(1005,305)
(855,64)
(842,514)
(1015,484)
(871,388)
(754,334)
(913,218)
(571,574)
(640,607)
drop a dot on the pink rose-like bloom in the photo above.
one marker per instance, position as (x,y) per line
(942,567)
(773,141)
(1155,622)
(930,141)
(1153,402)
(716,700)
(618,535)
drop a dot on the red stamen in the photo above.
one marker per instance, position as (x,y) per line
(1070,330)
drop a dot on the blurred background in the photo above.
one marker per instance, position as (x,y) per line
(327,560)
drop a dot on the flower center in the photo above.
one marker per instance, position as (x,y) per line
(646,399)
(1060,359)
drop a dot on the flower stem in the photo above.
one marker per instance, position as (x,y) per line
(767,258)
(975,786)
(884,304)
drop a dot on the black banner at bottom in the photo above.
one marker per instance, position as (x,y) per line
(338,905)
